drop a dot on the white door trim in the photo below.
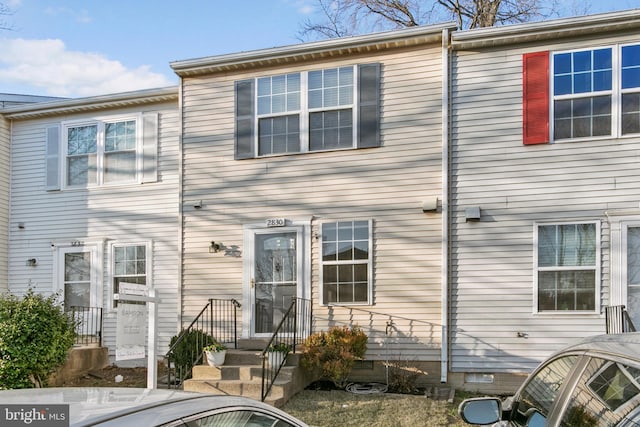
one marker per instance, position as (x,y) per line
(303,230)
(96,249)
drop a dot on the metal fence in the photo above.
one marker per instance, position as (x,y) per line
(88,324)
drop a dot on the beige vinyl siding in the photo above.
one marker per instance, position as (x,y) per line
(110,214)
(387,184)
(517,186)
(5,127)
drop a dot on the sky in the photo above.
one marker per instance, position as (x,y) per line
(78,48)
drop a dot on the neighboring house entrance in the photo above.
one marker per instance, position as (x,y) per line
(77,276)
(275,269)
(625,263)
(633,272)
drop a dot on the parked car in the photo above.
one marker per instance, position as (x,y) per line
(594,383)
(111,407)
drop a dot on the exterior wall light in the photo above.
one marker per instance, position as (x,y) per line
(214,247)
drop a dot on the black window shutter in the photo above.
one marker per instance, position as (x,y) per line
(369,105)
(244,146)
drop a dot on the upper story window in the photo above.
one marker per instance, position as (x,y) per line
(582,89)
(101,153)
(115,150)
(586,93)
(333,108)
(567,267)
(346,268)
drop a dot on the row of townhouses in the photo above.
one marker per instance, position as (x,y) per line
(470,199)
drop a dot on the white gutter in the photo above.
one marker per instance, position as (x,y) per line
(308,51)
(444,356)
(546,30)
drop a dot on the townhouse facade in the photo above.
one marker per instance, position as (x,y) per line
(94,202)
(545,134)
(309,166)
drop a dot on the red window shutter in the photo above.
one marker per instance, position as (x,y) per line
(535,105)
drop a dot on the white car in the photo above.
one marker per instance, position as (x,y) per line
(594,383)
(110,407)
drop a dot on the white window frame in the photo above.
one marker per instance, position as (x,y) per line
(111,271)
(596,268)
(304,112)
(101,122)
(369,263)
(616,93)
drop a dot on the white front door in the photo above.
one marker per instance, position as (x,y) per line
(275,274)
(77,276)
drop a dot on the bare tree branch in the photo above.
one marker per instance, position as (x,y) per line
(348,17)
(5,11)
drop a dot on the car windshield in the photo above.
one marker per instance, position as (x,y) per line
(537,397)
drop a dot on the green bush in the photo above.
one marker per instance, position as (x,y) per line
(35,337)
(334,352)
(188,351)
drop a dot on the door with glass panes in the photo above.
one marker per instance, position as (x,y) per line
(275,273)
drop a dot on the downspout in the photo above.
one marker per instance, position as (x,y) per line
(180,204)
(444,356)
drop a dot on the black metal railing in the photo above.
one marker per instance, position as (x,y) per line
(618,320)
(216,321)
(88,324)
(293,329)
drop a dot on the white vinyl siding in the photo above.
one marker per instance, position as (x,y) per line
(387,184)
(494,328)
(109,214)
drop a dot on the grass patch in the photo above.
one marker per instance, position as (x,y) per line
(341,408)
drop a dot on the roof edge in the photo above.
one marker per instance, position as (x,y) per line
(64,106)
(542,30)
(262,56)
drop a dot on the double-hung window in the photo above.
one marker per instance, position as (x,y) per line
(346,262)
(316,110)
(582,93)
(105,151)
(567,267)
(129,265)
(585,93)
(101,153)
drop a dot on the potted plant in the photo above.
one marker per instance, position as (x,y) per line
(215,353)
(276,354)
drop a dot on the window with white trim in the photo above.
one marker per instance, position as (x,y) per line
(588,87)
(129,264)
(316,110)
(567,270)
(582,92)
(346,262)
(102,152)
(586,93)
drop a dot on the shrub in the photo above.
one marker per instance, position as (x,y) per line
(334,352)
(188,350)
(35,337)
(403,376)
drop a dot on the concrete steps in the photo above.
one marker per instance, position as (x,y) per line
(241,375)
